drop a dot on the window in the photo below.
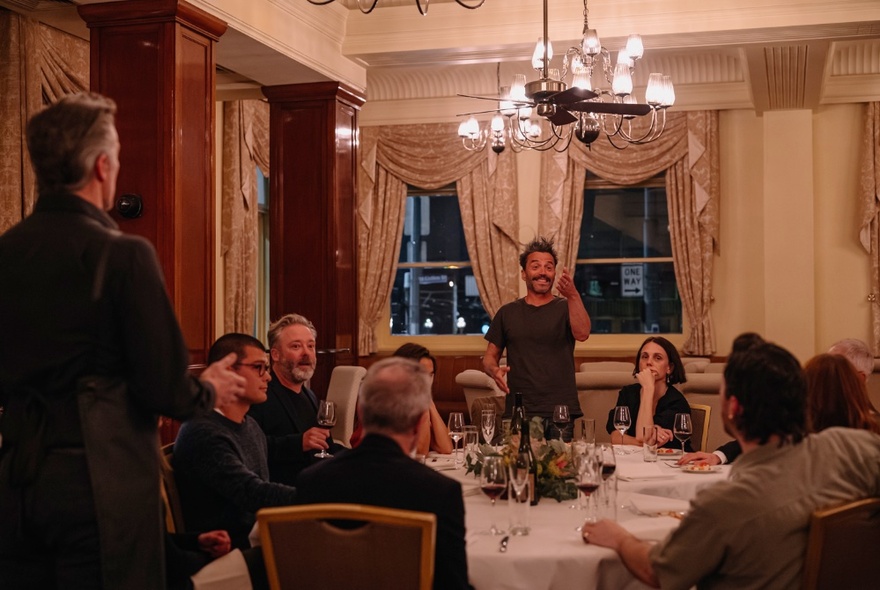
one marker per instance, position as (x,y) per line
(261,321)
(624,267)
(434,290)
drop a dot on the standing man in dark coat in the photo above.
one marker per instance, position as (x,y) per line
(289,416)
(394,404)
(90,354)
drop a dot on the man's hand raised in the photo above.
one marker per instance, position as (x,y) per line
(227,384)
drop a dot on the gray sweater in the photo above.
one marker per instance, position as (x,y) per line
(222,475)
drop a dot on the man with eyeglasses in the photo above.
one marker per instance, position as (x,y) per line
(220,459)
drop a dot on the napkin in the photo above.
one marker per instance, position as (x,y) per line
(224,573)
(654,505)
(628,471)
(441,462)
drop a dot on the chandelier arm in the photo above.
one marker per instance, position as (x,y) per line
(649,135)
(611,141)
(320,2)
(474,7)
(361,6)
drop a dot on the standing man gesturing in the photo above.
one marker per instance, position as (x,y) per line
(90,354)
(539,332)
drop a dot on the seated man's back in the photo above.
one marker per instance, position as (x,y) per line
(378,472)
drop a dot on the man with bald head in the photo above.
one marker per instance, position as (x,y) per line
(394,402)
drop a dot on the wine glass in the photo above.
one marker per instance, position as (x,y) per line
(682,428)
(456,432)
(519,483)
(561,418)
(326,419)
(493,482)
(621,420)
(487,422)
(471,442)
(589,478)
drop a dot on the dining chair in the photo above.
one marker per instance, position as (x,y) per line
(475,385)
(700,426)
(345,383)
(842,547)
(347,546)
(173,511)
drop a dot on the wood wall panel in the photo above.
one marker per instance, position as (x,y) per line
(312,261)
(155,58)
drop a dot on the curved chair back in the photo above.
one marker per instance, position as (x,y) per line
(842,547)
(477,384)
(347,546)
(173,508)
(700,426)
(345,383)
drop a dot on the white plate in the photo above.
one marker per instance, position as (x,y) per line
(701,468)
(668,452)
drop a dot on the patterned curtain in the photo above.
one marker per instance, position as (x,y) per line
(688,151)
(245,146)
(38,65)
(869,231)
(430,156)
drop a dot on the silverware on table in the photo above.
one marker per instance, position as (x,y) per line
(503,547)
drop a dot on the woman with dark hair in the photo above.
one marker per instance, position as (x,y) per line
(433,436)
(836,395)
(653,400)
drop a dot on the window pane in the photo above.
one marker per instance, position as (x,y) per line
(625,223)
(436,301)
(432,230)
(630,298)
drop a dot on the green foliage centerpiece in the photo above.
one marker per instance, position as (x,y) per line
(556,470)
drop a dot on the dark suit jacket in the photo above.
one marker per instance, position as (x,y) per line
(731,450)
(378,473)
(284,417)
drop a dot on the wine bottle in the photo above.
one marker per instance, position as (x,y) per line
(525,446)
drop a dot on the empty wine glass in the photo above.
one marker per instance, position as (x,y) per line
(326,419)
(519,483)
(493,482)
(487,423)
(471,442)
(561,418)
(682,428)
(621,420)
(456,432)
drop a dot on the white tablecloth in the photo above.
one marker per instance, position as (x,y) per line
(553,556)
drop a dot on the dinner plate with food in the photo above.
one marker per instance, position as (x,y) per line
(664,452)
(700,468)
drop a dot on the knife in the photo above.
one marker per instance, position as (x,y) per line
(503,547)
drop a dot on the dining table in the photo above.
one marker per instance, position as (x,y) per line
(649,501)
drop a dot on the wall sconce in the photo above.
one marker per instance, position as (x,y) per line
(130,206)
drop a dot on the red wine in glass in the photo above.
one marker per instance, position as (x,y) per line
(587,487)
(607,470)
(493,490)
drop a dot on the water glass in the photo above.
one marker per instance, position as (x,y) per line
(471,441)
(518,498)
(649,443)
(456,433)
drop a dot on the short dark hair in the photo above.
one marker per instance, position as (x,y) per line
(745,341)
(232,342)
(768,382)
(537,245)
(65,139)
(417,352)
(677,375)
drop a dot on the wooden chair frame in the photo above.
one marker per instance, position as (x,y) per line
(704,434)
(426,524)
(173,508)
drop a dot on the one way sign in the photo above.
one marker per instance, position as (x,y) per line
(631,284)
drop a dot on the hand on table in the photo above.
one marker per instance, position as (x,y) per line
(605,533)
(664,435)
(700,458)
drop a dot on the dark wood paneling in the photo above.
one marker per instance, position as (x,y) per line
(155,58)
(312,232)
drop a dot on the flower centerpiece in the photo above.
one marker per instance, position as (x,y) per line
(555,467)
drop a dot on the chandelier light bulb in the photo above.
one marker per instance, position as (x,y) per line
(463,129)
(582,80)
(497,124)
(538,55)
(624,58)
(622,83)
(518,89)
(591,44)
(654,91)
(525,113)
(553,74)
(668,92)
(634,47)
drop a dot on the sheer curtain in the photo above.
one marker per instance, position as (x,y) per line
(38,65)
(430,156)
(869,232)
(245,146)
(688,151)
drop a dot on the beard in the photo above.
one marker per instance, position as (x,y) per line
(298,372)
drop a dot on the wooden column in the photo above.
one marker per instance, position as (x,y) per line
(155,58)
(312,257)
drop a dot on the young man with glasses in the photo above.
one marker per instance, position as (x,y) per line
(220,459)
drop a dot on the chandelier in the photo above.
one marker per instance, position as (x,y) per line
(367,6)
(546,113)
